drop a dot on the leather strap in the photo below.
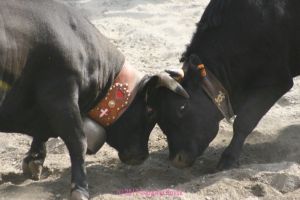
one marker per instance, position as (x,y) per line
(118,98)
(217,93)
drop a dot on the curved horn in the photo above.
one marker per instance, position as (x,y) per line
(165,80)
(177,74)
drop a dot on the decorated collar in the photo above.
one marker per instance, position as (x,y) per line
(215,90)
(118,98)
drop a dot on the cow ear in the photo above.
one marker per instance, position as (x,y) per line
(192,68)
(190,65)
(194,62)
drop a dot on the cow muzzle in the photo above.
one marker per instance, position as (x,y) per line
(132,158)
(182,160)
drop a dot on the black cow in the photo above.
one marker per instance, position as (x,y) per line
(57,66)
(246,51)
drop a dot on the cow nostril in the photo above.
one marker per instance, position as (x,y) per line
(182,160)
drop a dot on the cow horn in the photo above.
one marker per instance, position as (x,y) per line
(177,74)
(165,80)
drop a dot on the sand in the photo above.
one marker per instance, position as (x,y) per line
(153,34)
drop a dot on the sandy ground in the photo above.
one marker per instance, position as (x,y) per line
(152,34)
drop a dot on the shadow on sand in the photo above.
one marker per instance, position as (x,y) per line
(157,171)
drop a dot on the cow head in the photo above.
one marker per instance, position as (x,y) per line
(189,124)
(130,133)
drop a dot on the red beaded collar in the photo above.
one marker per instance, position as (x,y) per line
(118,98)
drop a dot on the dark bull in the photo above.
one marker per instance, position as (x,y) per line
(55,67)
(252,50)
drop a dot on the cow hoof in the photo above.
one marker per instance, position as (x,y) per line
(79,195)
(32,168)
(227,163)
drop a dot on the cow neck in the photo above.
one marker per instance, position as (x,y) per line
(217,93)
(118,98)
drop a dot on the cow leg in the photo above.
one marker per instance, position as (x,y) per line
(67,124)
(248,116)
(60,105)
(33,162)
(17,115)
(77,149)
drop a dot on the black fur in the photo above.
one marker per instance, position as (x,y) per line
(252,47)
(61,66)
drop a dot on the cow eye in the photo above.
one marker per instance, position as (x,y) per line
(183,108)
